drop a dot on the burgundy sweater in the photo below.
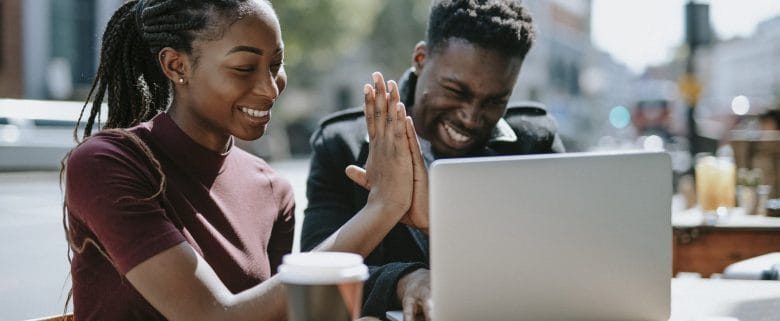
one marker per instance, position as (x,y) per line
(232,208)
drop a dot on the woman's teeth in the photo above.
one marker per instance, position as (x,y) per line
(455,135)
(255,112)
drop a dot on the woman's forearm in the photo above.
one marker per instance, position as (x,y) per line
(364,231)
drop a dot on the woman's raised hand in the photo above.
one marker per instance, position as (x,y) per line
(389,168)
(417,214)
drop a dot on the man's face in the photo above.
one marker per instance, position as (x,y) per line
(462,91)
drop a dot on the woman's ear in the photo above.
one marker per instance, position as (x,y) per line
(418,57)
(175,65)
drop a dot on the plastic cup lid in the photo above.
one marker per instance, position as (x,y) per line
(320,268)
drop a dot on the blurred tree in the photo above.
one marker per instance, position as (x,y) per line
(318,32)
(399,25)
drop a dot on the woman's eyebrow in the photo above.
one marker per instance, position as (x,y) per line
(253,50)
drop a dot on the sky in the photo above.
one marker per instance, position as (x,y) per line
(640,33)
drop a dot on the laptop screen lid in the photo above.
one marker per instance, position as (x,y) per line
(577,236)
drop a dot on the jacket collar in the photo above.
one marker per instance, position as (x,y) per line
(501,133)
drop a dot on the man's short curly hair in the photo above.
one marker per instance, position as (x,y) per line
(503,25)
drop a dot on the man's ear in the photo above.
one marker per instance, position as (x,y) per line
(175,65)
(418,56)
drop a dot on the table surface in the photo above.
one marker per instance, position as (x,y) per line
(715,300)
(735,218)
(700,299)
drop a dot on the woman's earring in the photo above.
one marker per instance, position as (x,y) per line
(181,80)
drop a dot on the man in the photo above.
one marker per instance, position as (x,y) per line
(456,92)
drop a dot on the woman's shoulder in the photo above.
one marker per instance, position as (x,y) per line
(278,182)
(110,148)
(108,162)
(256,163)
(106,142)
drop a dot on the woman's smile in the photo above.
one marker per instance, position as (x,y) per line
(255,115)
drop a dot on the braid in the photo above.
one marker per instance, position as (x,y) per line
(129,72)
(126,66)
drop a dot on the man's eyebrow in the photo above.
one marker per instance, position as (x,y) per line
(445,80)
(253,50)
(452,81)
(466,90)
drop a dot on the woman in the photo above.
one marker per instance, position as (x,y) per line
(166,218)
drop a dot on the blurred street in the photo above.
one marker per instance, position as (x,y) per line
(34,279)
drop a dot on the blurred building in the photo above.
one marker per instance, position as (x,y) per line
(10,49)
(724,70)
(50,47)
(744,66)
(579,83)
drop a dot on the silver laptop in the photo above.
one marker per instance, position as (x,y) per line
(578,236)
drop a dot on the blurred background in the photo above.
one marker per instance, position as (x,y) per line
(609,72)
(667,75)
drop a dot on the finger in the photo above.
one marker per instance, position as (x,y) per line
(393,100)
(414,147)
(427,307)
(408,306)
(426,303)
(416,308)
(380,98)
(399,119)
(392,113)
(369,109)
(400,126)
(357,175)
(395,96)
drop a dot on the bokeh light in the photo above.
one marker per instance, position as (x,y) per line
(740,105)
(653,142)
(619,117)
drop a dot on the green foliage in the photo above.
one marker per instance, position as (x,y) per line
(318,32)
(398,27)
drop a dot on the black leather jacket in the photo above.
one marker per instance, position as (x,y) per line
(333,199)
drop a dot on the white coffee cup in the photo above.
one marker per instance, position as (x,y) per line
(323,285)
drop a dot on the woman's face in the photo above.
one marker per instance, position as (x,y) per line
(234,82)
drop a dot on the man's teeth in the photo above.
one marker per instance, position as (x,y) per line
(255,112)
(455,135)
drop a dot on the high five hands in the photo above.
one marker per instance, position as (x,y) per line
(395,170)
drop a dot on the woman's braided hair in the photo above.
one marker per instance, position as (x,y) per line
(129,72)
